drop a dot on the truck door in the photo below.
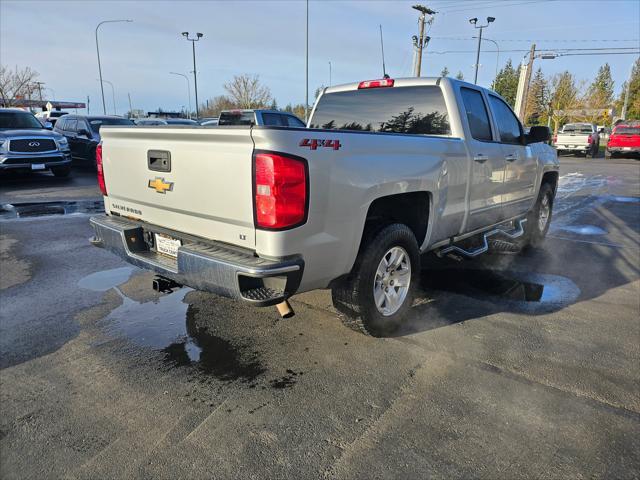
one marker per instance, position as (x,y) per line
(521,165)
(487,165)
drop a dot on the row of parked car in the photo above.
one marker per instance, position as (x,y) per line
(584,139)
(53,140)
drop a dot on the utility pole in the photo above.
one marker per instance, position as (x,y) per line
(130,108)
(306,95)
(195,74)
(474,22)
(39,84)
(523,84)
(626,94)
(329,73)
(421,41)
(88,108)
(384,68)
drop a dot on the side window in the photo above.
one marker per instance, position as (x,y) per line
(60,124)
(294,121)
(273,119)
(70,126)
(508,124)
(477,114)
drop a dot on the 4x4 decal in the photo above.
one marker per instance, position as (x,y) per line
(314,143)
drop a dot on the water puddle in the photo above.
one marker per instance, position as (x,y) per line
(624,199)
(106,279)
(530,288)
(170,325)
(582,229)
(41,209)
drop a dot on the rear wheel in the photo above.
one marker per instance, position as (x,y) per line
(376,296)
(539,218)
(61,171)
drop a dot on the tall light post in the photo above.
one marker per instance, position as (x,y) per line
(113,95)
(188,88)
(104,105)
(195,73)
(306,95)
(474,22)
(497,48)
(329,73)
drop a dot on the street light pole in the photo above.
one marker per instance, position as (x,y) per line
(306,94)
(113,95)
(329,73)
(104,105)
(188,88)
(474,22)
(497,48)
(195,73)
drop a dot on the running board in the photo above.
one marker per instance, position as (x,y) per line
(513,234)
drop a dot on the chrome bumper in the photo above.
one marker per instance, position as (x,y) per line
(203,265)
(25,160)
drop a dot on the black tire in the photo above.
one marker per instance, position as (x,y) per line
(61,171)
(533,233)
(353,295)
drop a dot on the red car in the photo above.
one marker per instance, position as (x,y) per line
(624,139)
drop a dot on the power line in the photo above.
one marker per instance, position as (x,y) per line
(528,40)
(495,6)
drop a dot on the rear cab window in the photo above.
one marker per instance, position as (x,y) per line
(237,118)
(418,110)
(625,130)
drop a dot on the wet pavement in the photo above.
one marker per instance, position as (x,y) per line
(511,366)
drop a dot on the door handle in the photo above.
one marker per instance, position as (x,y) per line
(511,157)
(480,158)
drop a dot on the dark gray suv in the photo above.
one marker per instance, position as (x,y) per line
(26,145)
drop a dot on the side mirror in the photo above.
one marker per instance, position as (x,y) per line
(537,134)
(48,125)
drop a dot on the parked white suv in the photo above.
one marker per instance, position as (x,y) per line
(388,169)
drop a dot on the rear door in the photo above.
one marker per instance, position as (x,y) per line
(521,166)
(488,162)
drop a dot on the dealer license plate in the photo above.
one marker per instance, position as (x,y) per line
(37,166)
(167,245)
(627,148)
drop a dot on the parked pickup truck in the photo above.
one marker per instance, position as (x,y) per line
(583,138)
(388,169)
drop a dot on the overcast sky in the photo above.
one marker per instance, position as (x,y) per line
(267,38)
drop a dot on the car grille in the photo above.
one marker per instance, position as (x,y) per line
(27,161)
(31,145)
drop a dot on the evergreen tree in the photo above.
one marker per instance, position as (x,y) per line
(460,76)
(633,108)
(564,96)
(599,95)
(444,72)
(537,100)
(506,82)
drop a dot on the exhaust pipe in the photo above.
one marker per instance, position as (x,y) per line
(285,310)
(164,285)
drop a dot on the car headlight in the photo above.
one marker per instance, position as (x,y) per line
(63,143)
(3,146)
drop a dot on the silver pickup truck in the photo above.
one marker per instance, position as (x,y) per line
(385,171)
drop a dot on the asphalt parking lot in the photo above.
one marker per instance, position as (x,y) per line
(512,366)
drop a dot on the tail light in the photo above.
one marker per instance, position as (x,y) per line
(385,82)
(590,140)
(100,170)
(555,139)
(281,186)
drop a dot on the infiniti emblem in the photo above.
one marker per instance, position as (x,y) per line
(34,144)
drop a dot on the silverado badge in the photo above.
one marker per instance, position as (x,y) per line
(160,186)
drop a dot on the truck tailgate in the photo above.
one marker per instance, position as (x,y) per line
(206,190)
(573,139)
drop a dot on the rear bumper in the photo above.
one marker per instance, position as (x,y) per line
(26,160)
(623,149)
(573,148)
(204,265)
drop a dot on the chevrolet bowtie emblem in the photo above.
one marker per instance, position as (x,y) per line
(160,186)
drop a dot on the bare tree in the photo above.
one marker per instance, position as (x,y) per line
(16,84)
(216,105)
(247,91)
